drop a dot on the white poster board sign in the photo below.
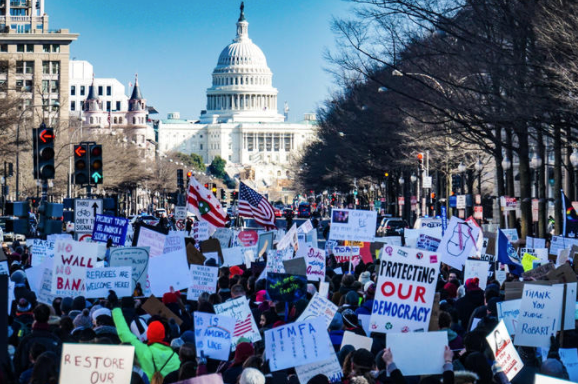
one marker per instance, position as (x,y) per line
(542,379)
(101,280)
(539,317)
(431,359)
(329,368)
(135,257)
(479,269)
(508,312)
(504,351)
(152,239)
(40,250)
(353,224)
(245,325)
(71,259)
(405,290)
(200,231)
(96,363)
(319,306)
(169,270)
(315,261)
(459,240)
(357,341)
(297,344)
(203,279)
(213,335)
(174,241)
(233,256)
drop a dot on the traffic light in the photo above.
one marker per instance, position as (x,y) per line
(189,175)
(180,179)
(10,170)
(206,185)
(95,172)
(223,194)
(81,169)
(235,195)
(43,152)
(420,161)
(214,189)
(386,174)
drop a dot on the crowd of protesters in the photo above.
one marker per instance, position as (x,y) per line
(165,352)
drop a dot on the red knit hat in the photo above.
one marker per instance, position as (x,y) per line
(236,270)
(156,333)
(452,290)
(243,352)
(473,284)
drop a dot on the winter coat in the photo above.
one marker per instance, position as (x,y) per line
(467,304)
(146,354)
(40,334)
(365,309)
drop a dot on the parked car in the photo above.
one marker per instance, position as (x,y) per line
(278,212)
(427,222)
(288,212)
(392,227)
(147,219)
(304,210)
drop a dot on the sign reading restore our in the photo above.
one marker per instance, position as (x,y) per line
(405,290)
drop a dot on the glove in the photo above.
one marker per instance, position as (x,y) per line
(554,347)
(113,299)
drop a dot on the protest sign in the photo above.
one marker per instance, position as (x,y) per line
(330,368)
(135,257)
(290,238)
(212,250)
(491,259)
(100,280)
(248,237)
(296,266)
(477,268)
(44,290)
(569,357)
(319,306)
(110,227)
(297,344)
(428,243)
(431,359)
(528,261)
(353,224)
(305,227)
(563,274)
(233,256)
(224,235)
(540,272)
(285,287)
(346,253)
(539,317)
(542,379)
(245,325)
(504,351)
(511,234)
(501,276)
(560,242)
(71,259)
(213,335)
(174,241)
(152,239)
(200,231)
(40,249)
(203,279)
(405,290)
(458,241)
(154,306)
(324,288)
(508,312)
(534,242)
(315,260)
(266,241)
(357,341)
(96,363)
(275,261)
(169,270)
(411,236)
(364,321)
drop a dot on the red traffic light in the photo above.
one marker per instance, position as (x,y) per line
(207,185)
(96,151)
(189,174)
(420,156)
(46,135)
(79,151)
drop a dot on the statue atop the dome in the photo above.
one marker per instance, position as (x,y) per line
(242,16)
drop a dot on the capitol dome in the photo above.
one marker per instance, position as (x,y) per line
(242,89)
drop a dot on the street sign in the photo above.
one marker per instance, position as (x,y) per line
(461,202)
(426,182)
(401,201)
(180,217)
(478,212)
(535,210)
(85,211)
(508,203)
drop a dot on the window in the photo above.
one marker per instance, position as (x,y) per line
(108,90)
(91,120)
(24,67)
(3,86)
(82,105)
(45,85)
(118,105)
(100,90)
(120,120)
(108,105)
(51,67)
(3,47)
(73,105)
(48,48)
(201,146)
(24,47)
(82,90)
(134,120)
(54,86)
(3,67)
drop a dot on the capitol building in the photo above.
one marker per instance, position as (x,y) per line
(241,123)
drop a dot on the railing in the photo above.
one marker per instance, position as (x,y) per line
(22,19)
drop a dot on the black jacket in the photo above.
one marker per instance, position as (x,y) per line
(40,334)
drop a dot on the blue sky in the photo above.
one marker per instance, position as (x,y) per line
(174,45)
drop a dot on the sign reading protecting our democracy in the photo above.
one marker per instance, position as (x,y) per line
(459,240)
(245,325)
(71,259)
(539,317)
(504,351)
(135,257)
(40,250)
(319,306)
(96,363)
(213,335)
(101,280)
(297,344)
(109,227)
(286,287)
(203,279)
(405,290)
(353,224)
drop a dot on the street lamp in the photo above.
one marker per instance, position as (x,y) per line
(574,162)
(478,167)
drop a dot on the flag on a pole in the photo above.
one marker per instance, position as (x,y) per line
(507,254)
(570,218)
(252,204)
(203,204)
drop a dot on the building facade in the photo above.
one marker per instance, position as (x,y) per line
(34,61)
(241,123)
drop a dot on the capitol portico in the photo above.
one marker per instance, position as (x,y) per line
(241,123)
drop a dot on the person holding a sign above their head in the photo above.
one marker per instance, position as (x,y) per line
(156,358)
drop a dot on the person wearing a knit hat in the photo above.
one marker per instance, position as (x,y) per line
(473,284)
(369,296)
(242,353)
(351,323)
(364,277)
(66,305)
(261,297)
(154,356)
(18,277)
(235,271)
(554,368)
(23,306)
(473,299)
(79,303)
(82,320)
(251,376)
(336,331)
(361,363)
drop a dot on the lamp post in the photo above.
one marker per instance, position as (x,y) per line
(402,186)
(462,171)
(574,162)
(384,195)
(535,164)
(506,165)
(478,167)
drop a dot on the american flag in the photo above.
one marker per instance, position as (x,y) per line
(243,326)
(203,204)
(252,204)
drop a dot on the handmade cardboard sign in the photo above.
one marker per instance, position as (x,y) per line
(297,344)
(357,341)
(431,359)
(296,266)
(504,351)
(233,256)
(353,224)
(477,268)
(405,290)
(542,379)
(110,227)
(508,312)
(245,325)
(154,306)
(40,249)
(458,242)
(319,306)
(169,270)
(315,259)
(135,257)
(285,287)
(152,239)
(203,279)
(330,368)
(175,241)
(539,317)
(213,335)
(210,246)
(99,281)
(71,259)
(95,363)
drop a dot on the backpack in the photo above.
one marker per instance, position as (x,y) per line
(158,377)
(24,328)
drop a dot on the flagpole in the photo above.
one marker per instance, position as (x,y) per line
(563,212)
